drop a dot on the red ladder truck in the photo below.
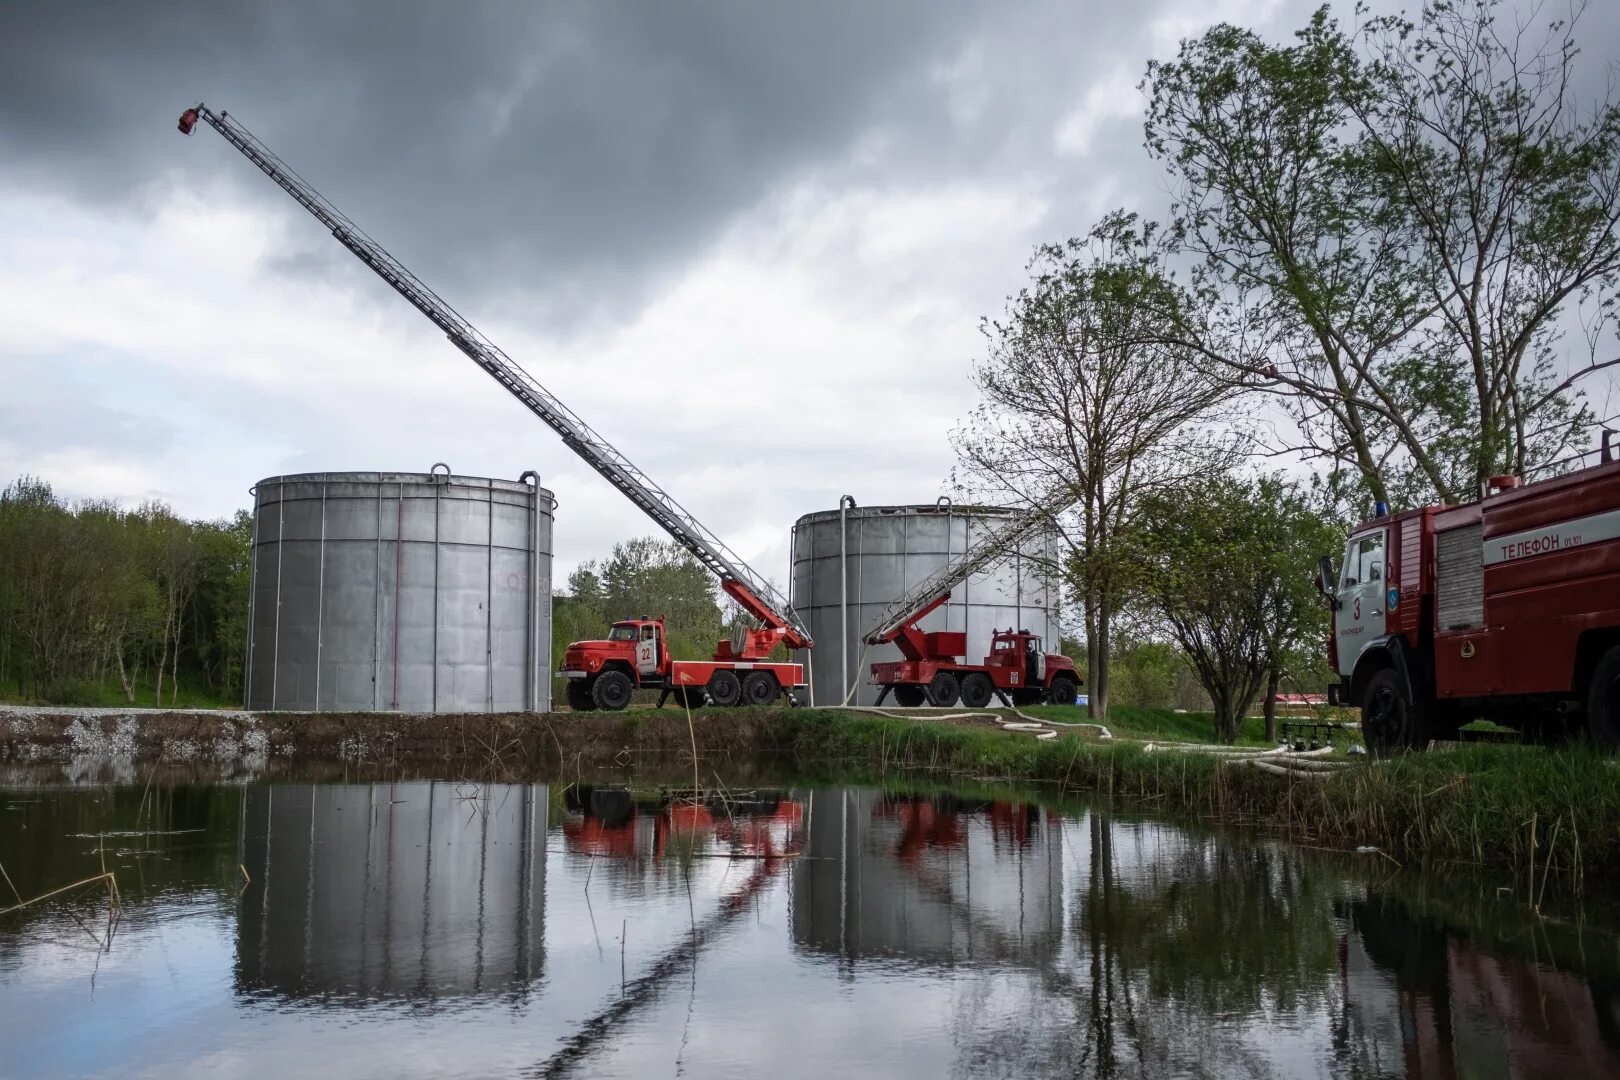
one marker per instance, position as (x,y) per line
(602,674)
(935,670)
(1507,608)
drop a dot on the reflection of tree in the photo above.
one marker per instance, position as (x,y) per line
(158,839)
(1227,926)
(1176,944)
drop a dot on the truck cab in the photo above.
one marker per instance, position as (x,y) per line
(603,674)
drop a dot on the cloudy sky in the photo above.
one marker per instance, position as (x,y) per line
(749,242)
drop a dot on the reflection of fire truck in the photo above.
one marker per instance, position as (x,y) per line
(614,822)
(940,822)
(1508,607)
(1418,993)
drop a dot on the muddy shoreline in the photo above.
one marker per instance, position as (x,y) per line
(85,743)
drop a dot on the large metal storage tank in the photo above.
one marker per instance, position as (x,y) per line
(415,592)
(849,563)
(416,889)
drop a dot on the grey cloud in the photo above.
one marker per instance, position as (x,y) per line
(577,145)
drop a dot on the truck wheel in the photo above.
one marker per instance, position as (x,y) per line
(909,695)
(1064,691)
(611,690)
(1387,718)
(944,690)
(1603,702)
(579,695)
(687,697)
(976,690)
(760,688)
(724,689)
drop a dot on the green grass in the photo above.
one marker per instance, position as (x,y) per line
(109,695)
(1134,723)
(1499,805)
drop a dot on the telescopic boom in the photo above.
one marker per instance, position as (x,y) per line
(935,589)
(739,581)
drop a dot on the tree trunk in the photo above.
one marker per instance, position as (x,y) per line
(1272,678)
(1228,716)
(123,675)
(163,656)
(1097,692)
(174,669)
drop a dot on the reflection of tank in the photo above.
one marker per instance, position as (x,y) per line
(392,890)
(928,878)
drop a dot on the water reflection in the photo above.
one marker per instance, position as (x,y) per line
(1422,1001)
(428,890)
(929,878)
(461,929)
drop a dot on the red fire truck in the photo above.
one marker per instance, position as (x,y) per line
(603,674)
(934,669)
(1507,608)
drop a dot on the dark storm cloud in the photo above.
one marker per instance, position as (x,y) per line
(586,139)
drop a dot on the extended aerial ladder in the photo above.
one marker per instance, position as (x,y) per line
(750,590)
(934,667)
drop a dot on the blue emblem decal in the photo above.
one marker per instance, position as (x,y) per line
(1392,599)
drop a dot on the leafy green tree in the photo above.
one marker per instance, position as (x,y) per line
(1085,404)
(1393,229)
(91,592)
(1227,567)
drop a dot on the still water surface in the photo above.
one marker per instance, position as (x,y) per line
(455,929)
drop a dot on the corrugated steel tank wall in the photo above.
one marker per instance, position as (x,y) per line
(407,890)
(847,564)
(415,592)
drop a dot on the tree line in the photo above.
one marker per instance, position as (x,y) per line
(103,605)
(1380,239)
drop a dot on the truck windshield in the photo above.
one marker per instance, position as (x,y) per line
(622,633)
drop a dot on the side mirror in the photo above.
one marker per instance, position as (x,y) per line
(1325,578)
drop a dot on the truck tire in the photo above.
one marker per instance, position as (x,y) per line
(611,690)
(944,690)
(579,695)
(725,690)
(1603,702)
(976,690)
(909,695)
(1064,691)
(1388,720)
(760,688)
(687,697)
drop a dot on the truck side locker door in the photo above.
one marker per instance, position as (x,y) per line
(1360,617)
(647,650)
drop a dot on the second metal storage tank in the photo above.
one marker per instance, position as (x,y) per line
(848,563)
(400,591)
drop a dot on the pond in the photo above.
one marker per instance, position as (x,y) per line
(421,928)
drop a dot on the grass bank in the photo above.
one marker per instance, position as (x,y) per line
(1533,810)
(1516,807)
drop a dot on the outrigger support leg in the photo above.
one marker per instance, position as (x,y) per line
(883,693)
(663,696)
(1005,701)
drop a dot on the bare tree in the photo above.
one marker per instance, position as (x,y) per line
(1081,396)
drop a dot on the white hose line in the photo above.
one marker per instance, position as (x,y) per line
(1293,774)
(1029,723)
